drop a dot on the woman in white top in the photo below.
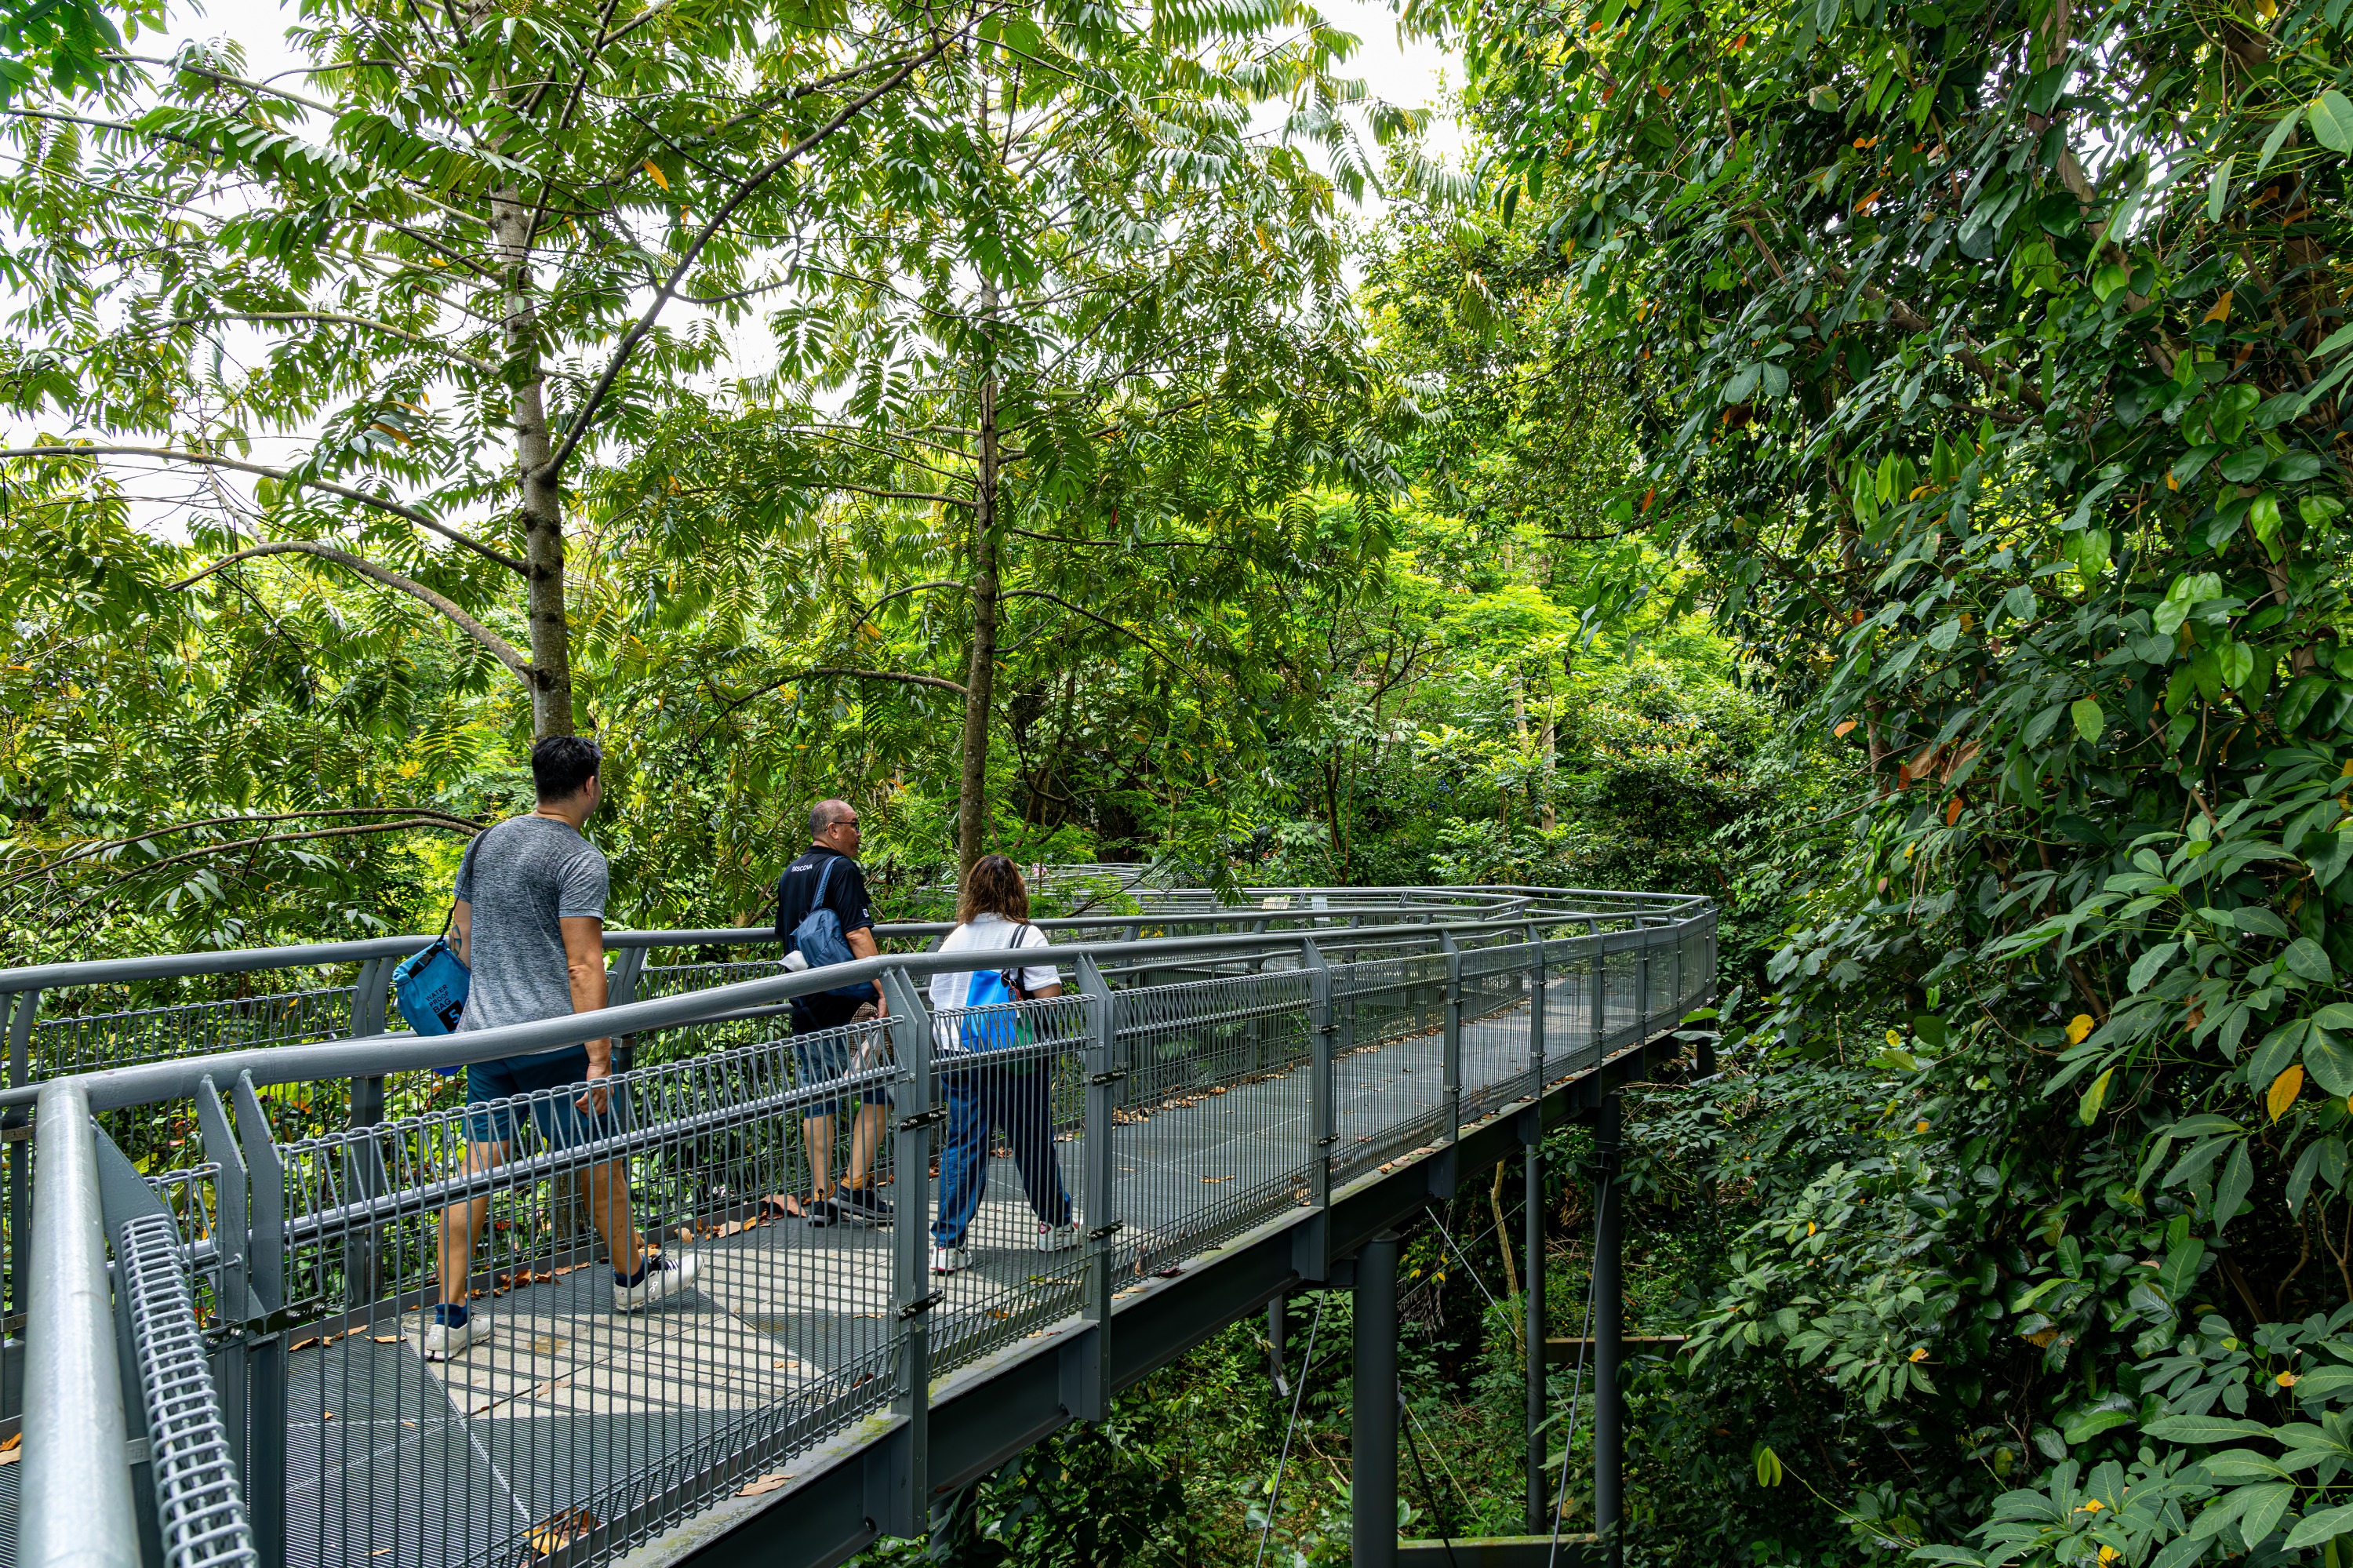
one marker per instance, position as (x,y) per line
(991,1078)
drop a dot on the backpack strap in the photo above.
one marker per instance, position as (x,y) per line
(822,879)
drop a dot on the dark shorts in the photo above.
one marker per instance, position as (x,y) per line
(561,1121)
(820,1060)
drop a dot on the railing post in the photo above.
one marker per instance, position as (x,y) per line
(1601,1003)
(1103,1075)
(265,1336)
(1452,1066)
(1537,1015)
(74,1505)
(911,1281)
(362,1252)
(1319,1118)
(1532,1138)
(17,1130)
(1642,979)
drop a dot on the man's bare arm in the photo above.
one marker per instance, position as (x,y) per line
(461,928)
(863,946)
(584,965)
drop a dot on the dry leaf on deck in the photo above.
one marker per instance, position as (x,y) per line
(561,1531)
(387,1338)
(770,1482)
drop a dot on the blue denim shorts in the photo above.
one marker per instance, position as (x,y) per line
(561,1121)
(828,1056)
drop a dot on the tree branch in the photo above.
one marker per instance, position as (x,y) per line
(283,476)
(336,318)
(401,826)
(503,651)
(1100,620)
(628,349)
(87,851)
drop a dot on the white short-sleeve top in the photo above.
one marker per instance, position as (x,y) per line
(986,933)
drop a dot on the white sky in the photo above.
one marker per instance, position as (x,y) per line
(1411,74)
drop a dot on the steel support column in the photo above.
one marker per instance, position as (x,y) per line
(1276,1328)
(1372,1492)
(1539,1492)
(1609,1346)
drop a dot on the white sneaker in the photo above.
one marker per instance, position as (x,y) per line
(664,1276)
(951,1259)
(1056,1238)
(442,1342)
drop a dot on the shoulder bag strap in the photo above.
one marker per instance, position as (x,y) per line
(465,863)
(822,879)
(1012,977)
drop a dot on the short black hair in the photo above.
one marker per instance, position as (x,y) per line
(562,764)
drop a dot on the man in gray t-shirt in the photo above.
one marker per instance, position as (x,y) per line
(529,922)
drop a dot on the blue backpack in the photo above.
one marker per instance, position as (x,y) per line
(989,1022)
(432,984)
(818,937)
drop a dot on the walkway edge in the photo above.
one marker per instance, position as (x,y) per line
(988,1413)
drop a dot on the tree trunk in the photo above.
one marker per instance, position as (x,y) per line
(542,501)
(971,815)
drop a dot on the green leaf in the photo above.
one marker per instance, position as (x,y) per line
(2145,968)
(2231,1191)
(2218,189)
(2329,1062)
(2310,960)
(2089,719)
(2316,1527)
(2332,121)
(2204,1429)
(2277,139)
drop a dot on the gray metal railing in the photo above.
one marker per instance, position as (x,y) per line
(1183,1091)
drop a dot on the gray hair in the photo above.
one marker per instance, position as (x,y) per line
(824,814)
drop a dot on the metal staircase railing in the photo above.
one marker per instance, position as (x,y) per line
(1185,1088)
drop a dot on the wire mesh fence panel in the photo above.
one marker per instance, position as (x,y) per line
(76,1042)
(1007,1167)
(1388,1063)
(617,1367)
(1620,1005)
(1210,1131)
(1570,1044)
(1496,1026)
(199,1503)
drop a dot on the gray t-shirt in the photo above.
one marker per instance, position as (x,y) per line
(521,877)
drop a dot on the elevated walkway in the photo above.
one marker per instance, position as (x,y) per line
(1232,1113)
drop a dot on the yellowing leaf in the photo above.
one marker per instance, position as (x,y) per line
(2285,1379)
(656,175)
(2283,1091)
(1895,1041)
(2087,1110)
(1920,1126)
(2078,1027)
(1810,1227)
(2171,482)
(1768,1467)
(1846,726)
(1919,1353)
(2221,311)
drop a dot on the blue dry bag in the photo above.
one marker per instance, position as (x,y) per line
(431,984)
(989,1022)
(818,937)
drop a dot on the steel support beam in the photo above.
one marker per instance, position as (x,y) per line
(1373,1489)
(1609,1340)
(1539,1508)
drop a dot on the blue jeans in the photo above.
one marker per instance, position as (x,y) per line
(1018,1098)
